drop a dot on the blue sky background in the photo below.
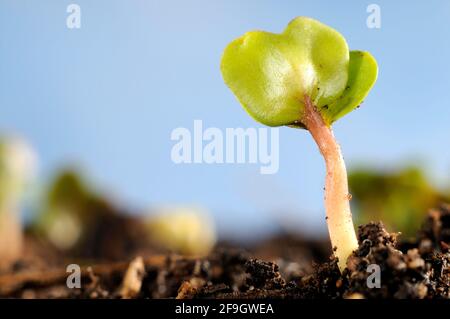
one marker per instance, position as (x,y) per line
(107,96)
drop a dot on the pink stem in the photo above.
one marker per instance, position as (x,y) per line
(337,197)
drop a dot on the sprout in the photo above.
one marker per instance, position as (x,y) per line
(186,230)
(65,211)
(74,215)
(17,165)
(305,77)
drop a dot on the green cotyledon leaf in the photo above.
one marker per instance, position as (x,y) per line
(272,73)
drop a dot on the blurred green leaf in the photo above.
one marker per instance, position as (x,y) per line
(398,198)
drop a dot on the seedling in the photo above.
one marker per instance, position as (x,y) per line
(17,164)
(74,215)
(305,77)
(187,230)
(66,210)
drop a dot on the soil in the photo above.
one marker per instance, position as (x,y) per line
(416,269)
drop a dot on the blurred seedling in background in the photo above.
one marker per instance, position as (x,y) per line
(17,167)
(73,214)
(400,198)
(81,222)
(305,77)
(187,230)
(64,213)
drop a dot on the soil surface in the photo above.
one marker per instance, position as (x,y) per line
(417,269)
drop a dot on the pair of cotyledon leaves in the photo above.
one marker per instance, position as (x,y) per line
(272,73)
